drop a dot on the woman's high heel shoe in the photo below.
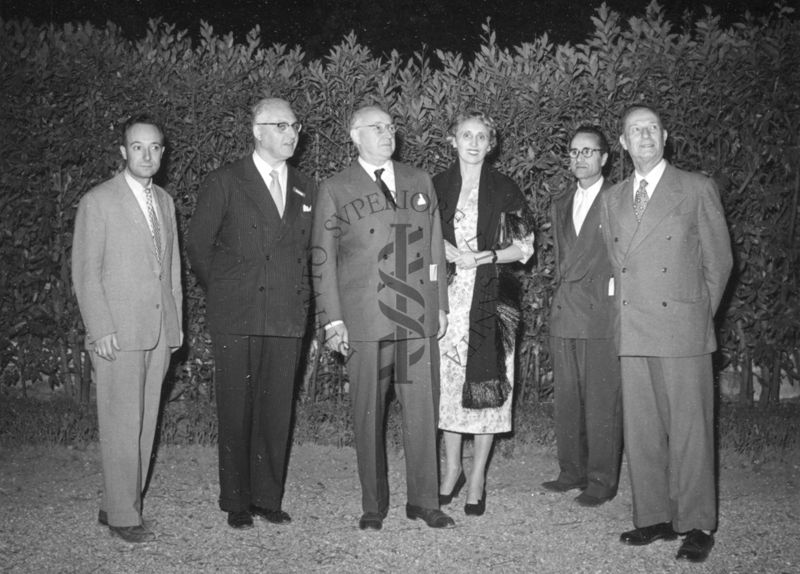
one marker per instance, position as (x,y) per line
(476,509)
(448,498)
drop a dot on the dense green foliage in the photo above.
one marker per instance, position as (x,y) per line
(729,99)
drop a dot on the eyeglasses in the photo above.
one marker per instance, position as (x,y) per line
(585,152)
(283,126)
(380,127)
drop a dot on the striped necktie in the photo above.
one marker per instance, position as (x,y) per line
(154,225)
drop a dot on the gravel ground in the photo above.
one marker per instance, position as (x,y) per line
(49,499)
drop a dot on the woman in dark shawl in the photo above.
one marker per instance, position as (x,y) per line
(476,365)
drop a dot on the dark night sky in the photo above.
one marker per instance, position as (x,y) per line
(382,25)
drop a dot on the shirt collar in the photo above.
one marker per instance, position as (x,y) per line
(593,189)
(133,183)
(370,168)
(652,178)
(265,168)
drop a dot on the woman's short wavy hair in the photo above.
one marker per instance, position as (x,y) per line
(485,119)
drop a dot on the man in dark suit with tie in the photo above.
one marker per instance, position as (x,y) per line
(379,279)
(127,277)
(671,254)
(248,246)
(588,399)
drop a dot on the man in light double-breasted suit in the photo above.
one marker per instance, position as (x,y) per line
(126,274)
(381,293)
(671,254)
(248,245)
(588,400)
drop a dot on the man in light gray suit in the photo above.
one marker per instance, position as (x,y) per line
(126,274)
(670,250)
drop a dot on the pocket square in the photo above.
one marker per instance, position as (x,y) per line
(306,208)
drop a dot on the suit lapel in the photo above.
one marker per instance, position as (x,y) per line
(620,203)
(665,198)
(133,212)
(253,186)
(165,227)
(296,199)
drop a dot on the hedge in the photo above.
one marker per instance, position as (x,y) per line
(728,96)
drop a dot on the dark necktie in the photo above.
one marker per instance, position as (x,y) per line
(640,200)
(384,188)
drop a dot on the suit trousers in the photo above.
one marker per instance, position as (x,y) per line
(371,367)
(128,398)
(669,440)
(588,413)
(254,381)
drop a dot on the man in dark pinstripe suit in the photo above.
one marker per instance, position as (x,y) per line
(248,245)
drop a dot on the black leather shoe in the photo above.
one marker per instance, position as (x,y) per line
(647,534)
(590,500)
(448,498)
(273,516)
(133,534)
(433,517)
(476,509)
(371,521)
(696,546)
(240,520)
(558,486)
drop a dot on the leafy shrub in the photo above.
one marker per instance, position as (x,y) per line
(728,97)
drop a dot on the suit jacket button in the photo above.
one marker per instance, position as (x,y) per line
(268,257)
(669,237)
(663,269)
(663,303)
(261,288)
(624,269)
(616,239)
(372,230)
(158,306)
(625,302)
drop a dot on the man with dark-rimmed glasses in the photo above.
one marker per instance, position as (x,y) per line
(248,244)
(585,366)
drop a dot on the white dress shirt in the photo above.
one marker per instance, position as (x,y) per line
(264,169)
(582,202)
(387,176)
(138,192)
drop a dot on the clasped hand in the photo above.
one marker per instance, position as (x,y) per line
(463,259)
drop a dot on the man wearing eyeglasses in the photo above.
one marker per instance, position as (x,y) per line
(588,403)
(248,245)
(670,251)
(378,266)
